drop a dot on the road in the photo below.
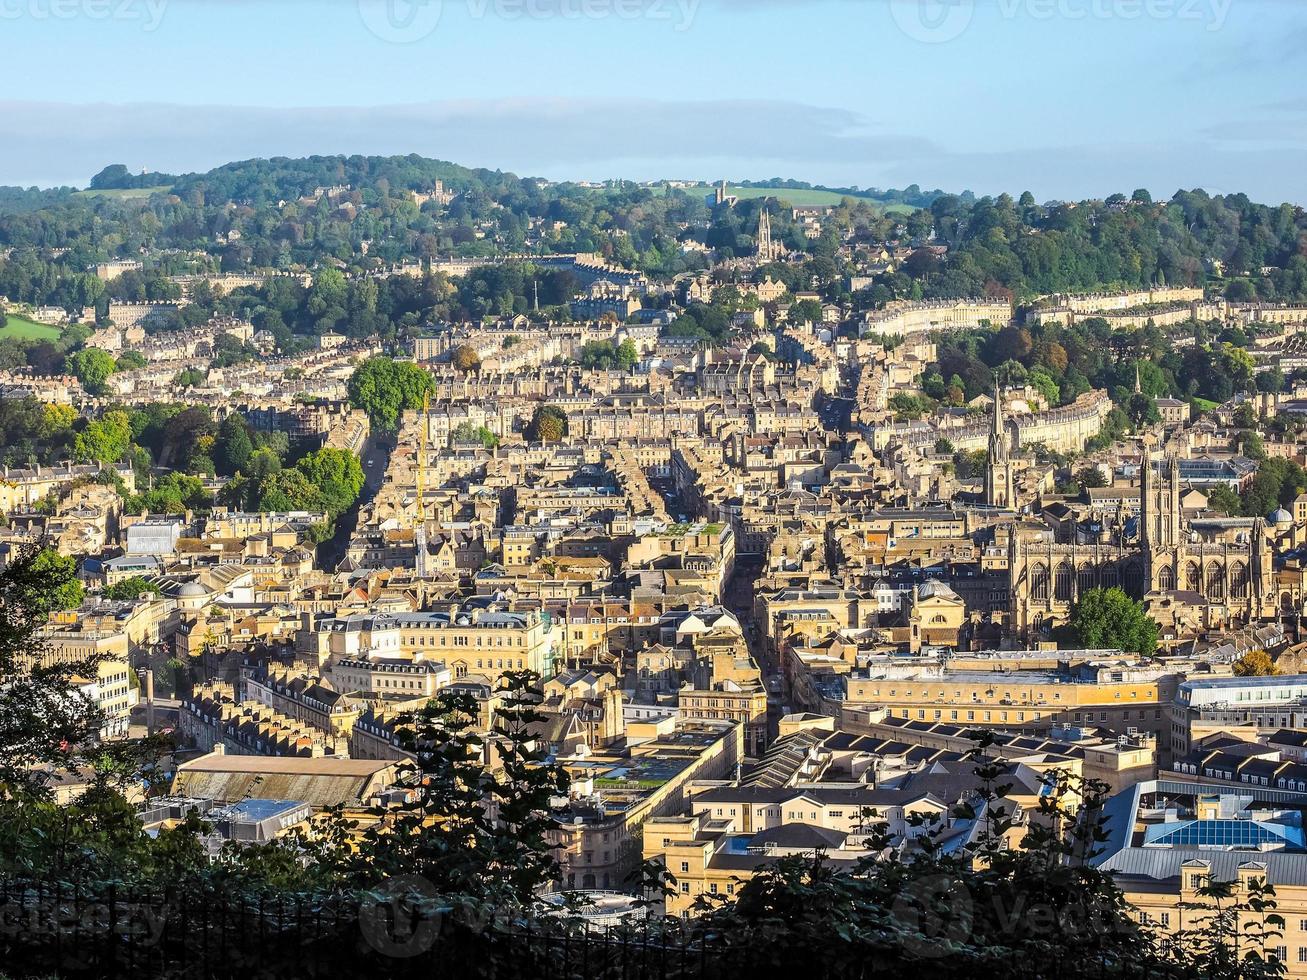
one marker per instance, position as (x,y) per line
(375,459)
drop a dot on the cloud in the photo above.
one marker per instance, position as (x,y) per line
(62,143)
(56,143)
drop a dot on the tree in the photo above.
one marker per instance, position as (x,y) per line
(385,388)
(105,440)
(806,311)
(1251,445)
(337,477)
(131,587)
(189,378)
(1255,663)
(467,432)
(970,465)
(130,360)
(548,424)
(466,359)
(1224,500)
(173,494)
(1106,619)
(233,446)
(627,355)
(463,829)
(1046,386)
(1142,410)
(43,716)
(1090,477)
(62,590)
(92,367)
(288,490)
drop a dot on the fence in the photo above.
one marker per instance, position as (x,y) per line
(68,931)
(51,930)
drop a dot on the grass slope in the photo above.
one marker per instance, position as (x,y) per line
(21,329)
(124,194)
(811,198)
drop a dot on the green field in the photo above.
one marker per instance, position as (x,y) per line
(811,198)
(21,329)
(124,194)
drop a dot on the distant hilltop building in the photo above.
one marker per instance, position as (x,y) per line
(719,197)
(116,267)
(438,194)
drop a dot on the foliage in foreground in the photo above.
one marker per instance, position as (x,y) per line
(473,842)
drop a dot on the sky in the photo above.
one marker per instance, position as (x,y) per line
(1066,98)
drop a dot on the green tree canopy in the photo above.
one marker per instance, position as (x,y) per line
(385,388)
(548,424)
(92,367)
(131,587)
(1108,619)
(105,440)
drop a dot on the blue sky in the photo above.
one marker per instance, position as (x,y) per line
(1067,98)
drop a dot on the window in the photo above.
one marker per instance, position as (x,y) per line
(685,888)
(685,867)
(1166,920)
(1039,583)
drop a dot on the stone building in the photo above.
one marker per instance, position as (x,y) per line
(1222,564)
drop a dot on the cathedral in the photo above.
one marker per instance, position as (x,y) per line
(1220,564)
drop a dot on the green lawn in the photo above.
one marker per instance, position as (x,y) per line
(21,329)
(123,194)
(810,198)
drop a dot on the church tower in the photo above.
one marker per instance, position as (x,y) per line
(768,251)
(999,483)
(1159,503)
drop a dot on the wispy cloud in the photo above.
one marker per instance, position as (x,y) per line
(54,143)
